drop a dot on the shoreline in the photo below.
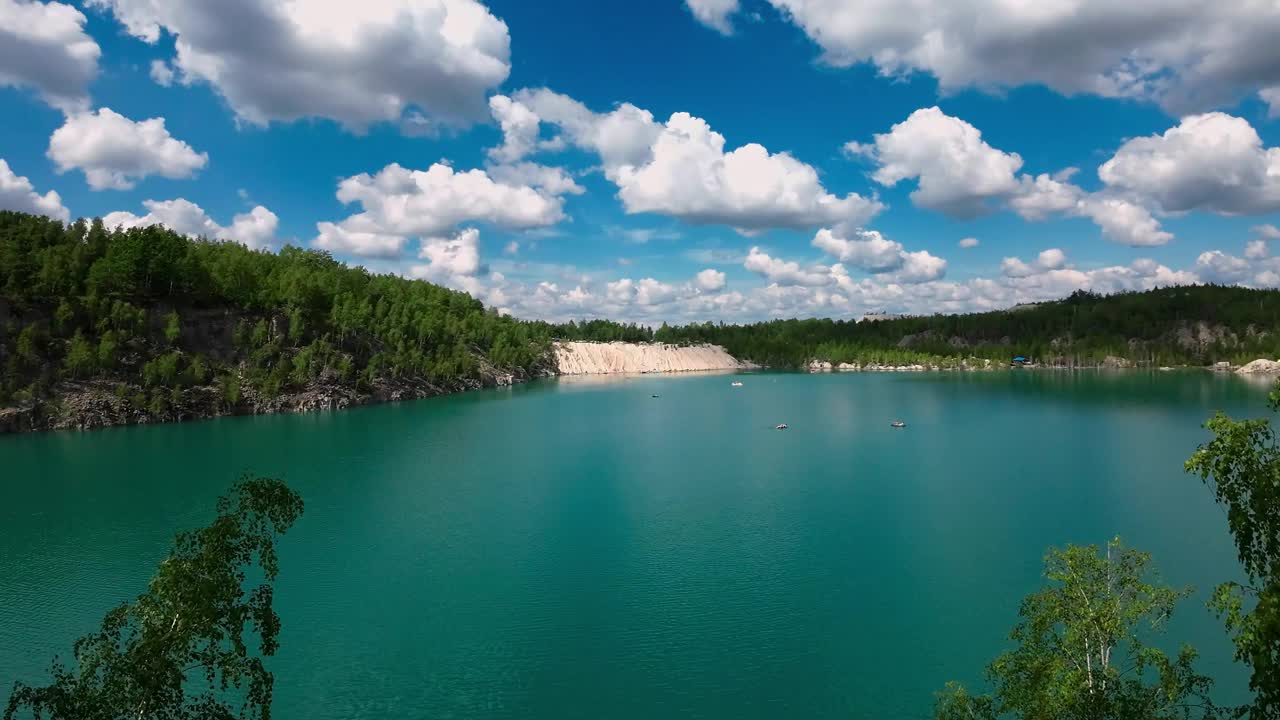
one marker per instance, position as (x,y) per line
(87,406)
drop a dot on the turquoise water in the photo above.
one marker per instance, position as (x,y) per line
(584,550)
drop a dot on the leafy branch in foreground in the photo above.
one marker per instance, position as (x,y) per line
(1079,652)
(1242,465)
(180,649)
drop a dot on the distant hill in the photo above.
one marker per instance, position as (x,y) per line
(1186,325)
(105,327)
(102,327)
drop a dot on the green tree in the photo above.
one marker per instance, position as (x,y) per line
(172,328)
(1242,466)
(64,315)
(28,344)
(1079,651)
(80,356)
(230,388)
(182,648)
(108,346)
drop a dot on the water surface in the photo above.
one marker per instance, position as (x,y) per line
(581,549)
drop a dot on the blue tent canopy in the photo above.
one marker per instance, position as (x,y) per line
(1019,359)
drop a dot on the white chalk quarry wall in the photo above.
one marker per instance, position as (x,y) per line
(588,358)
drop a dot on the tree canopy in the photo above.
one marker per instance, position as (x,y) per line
(1080,650)
(182,648)
(1242,466)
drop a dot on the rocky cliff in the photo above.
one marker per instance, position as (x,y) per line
(588,358)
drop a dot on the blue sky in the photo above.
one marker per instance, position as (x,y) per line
(671,160)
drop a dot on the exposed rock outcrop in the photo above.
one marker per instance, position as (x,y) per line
(589,358)
(1260,367)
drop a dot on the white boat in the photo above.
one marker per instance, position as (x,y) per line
(735,383)
(783,426)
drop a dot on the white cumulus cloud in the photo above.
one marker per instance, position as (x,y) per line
(872,252)
(959,174)
(255,229)
(161,73)
(1052,259)
(1212,162)
(43,46)
(682,169)
(399,203)
(785,272)
(957,171)
(115,152)
(356,63)
(1187,55)
(17,193)
(714,14)
(711,280)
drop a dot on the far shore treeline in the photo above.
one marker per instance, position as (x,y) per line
(101,326)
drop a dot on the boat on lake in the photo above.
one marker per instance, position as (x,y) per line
(736,383)
(897,424)
(782,426)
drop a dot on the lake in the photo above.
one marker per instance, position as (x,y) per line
(581,549)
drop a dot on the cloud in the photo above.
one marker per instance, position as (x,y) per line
(520,129)
(452,261)
(115,152)
(1267,232)
(710,280)
(1212,162)
(785,272)
(355,63)
(691,177)
(399,203)
(714,14)
(1271,96)
(876,254)
(969,242)
(1217,266)
(17,193)
(962,176)
(255,229)
(161,73)
(623,136)
(715,256)
(958,173)
(871,251)
(1043,196)
(550,180)
(43,46)
(681,169)
(1258,267)
(640,236)
(1124,222)
(1187,55)
(1052,259)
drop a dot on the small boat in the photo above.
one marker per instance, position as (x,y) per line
(783,426)
(736,383)
(897,424)
(655,396)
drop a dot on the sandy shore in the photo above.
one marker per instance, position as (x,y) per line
(587,358)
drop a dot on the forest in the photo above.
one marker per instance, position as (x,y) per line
(1185,325)
(177,327)
(101,326)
